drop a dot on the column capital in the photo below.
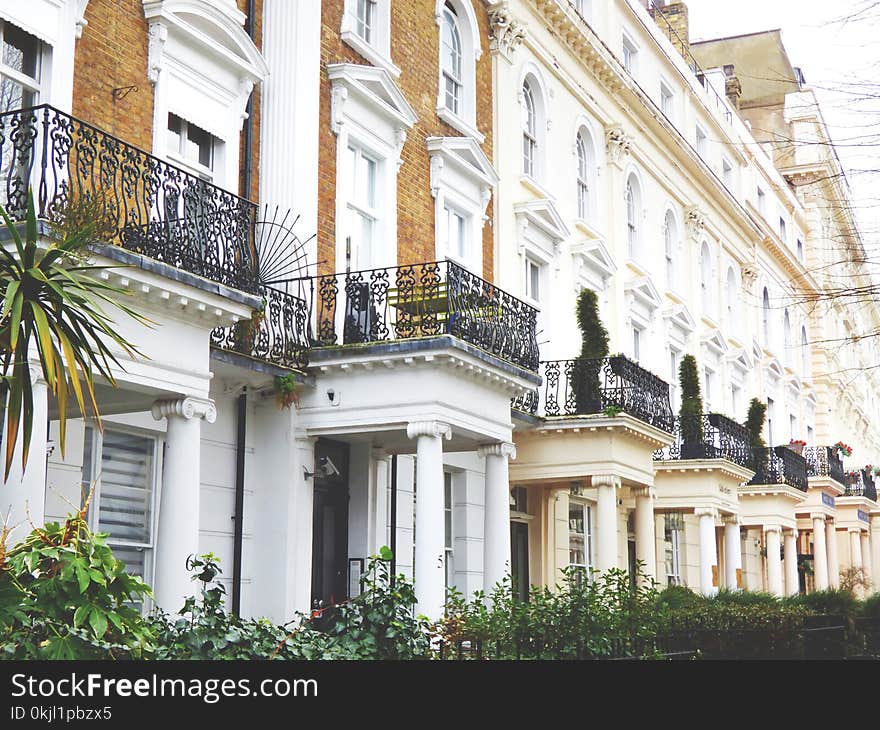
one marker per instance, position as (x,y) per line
(606,480)
(791,532)
(706,512)
(378,452)
(730,520)
(817,516)
(643,491)
(428,428)
(186,408)
(499,448)
(857,530)
(773,528)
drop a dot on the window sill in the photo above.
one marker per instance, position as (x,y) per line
(369,52)
(459,124)
(588,230)
(534,186)
(635,265)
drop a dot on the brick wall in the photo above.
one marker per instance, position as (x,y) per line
(113,53)
(415,49)
(674,14)
(254,192)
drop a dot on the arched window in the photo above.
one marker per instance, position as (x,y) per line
(583,176)
(786,336)
(706,276)
(530,131)
(633,223)
(451,60)
(670,243)
(805,353)
(765,316)
(732,300)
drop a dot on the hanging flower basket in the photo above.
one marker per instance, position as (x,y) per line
(843,449)
(797,446)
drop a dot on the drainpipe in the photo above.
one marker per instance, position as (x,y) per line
(241,423)
(241,418)
(393,517)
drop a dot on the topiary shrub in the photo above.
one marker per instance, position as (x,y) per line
(755,425)
(679,597)
(585,382)
(691,410)
(832,602)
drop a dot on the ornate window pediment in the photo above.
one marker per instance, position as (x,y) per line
(373,87)
(714,342)
(739,359)
(774,368)
(643,291)
(679,321)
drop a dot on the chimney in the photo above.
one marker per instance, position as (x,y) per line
(732,86)
(672,19)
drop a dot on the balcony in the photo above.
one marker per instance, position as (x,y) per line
(279,334)
(142,204)
(420,301)
(710,436)
(779,465)
(860,483)
(606,386)
(823,461)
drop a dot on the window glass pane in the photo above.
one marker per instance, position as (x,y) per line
(199,146)
(126,479)
(174,133)
(577,555)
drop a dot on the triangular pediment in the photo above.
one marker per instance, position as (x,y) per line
(739,358)
(467,153)
(377,86)
(595,255)
(774,367)
(543,214)
(679,316)
(714,340)
(643,289)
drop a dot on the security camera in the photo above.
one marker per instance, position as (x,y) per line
(328,468)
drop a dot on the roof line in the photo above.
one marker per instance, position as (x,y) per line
(741,35)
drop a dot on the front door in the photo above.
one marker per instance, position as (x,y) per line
(519,559)
(330,524)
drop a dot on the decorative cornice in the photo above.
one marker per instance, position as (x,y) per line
(186,408)
(428,428)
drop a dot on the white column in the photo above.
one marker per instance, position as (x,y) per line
(290,101)
(178,534)
(646,550)
(377,507)
(855,548)
(732,554)
(820,554)
(606,520)
(772,535)
(875,551)
(496,513)
(866,556)
(430,578)
(792,581)
(831,547)
(708,551)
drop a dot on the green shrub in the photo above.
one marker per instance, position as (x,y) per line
(871,606)
(691,410)
(745,598)
(63,595)
(585,383)
(679,597)
(830,602)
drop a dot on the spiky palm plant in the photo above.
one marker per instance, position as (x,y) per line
(53,305)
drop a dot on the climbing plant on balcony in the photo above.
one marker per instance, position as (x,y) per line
(691,410)
(52,308)
(585,383)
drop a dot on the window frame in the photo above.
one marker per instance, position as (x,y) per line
(449,21)
(179,158)
(670,245)
(672,534)
(629,54)
(529,132)
(32,84)
(376,49)
(587,519)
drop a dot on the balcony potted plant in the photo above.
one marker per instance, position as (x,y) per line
(585,383)
(691,411)
(842,449)
(797,445)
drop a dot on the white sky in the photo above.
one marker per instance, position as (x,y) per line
(838,59)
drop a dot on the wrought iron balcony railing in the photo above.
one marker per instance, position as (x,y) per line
(279,334)
(585,387)
(779,465)
(824,461)
(710,436)
(141,203)
(861,484)
(424,300)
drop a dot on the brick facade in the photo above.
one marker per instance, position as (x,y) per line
(112,53)
(415,48)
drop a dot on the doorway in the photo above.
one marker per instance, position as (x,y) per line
(330,524)
(519,559)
